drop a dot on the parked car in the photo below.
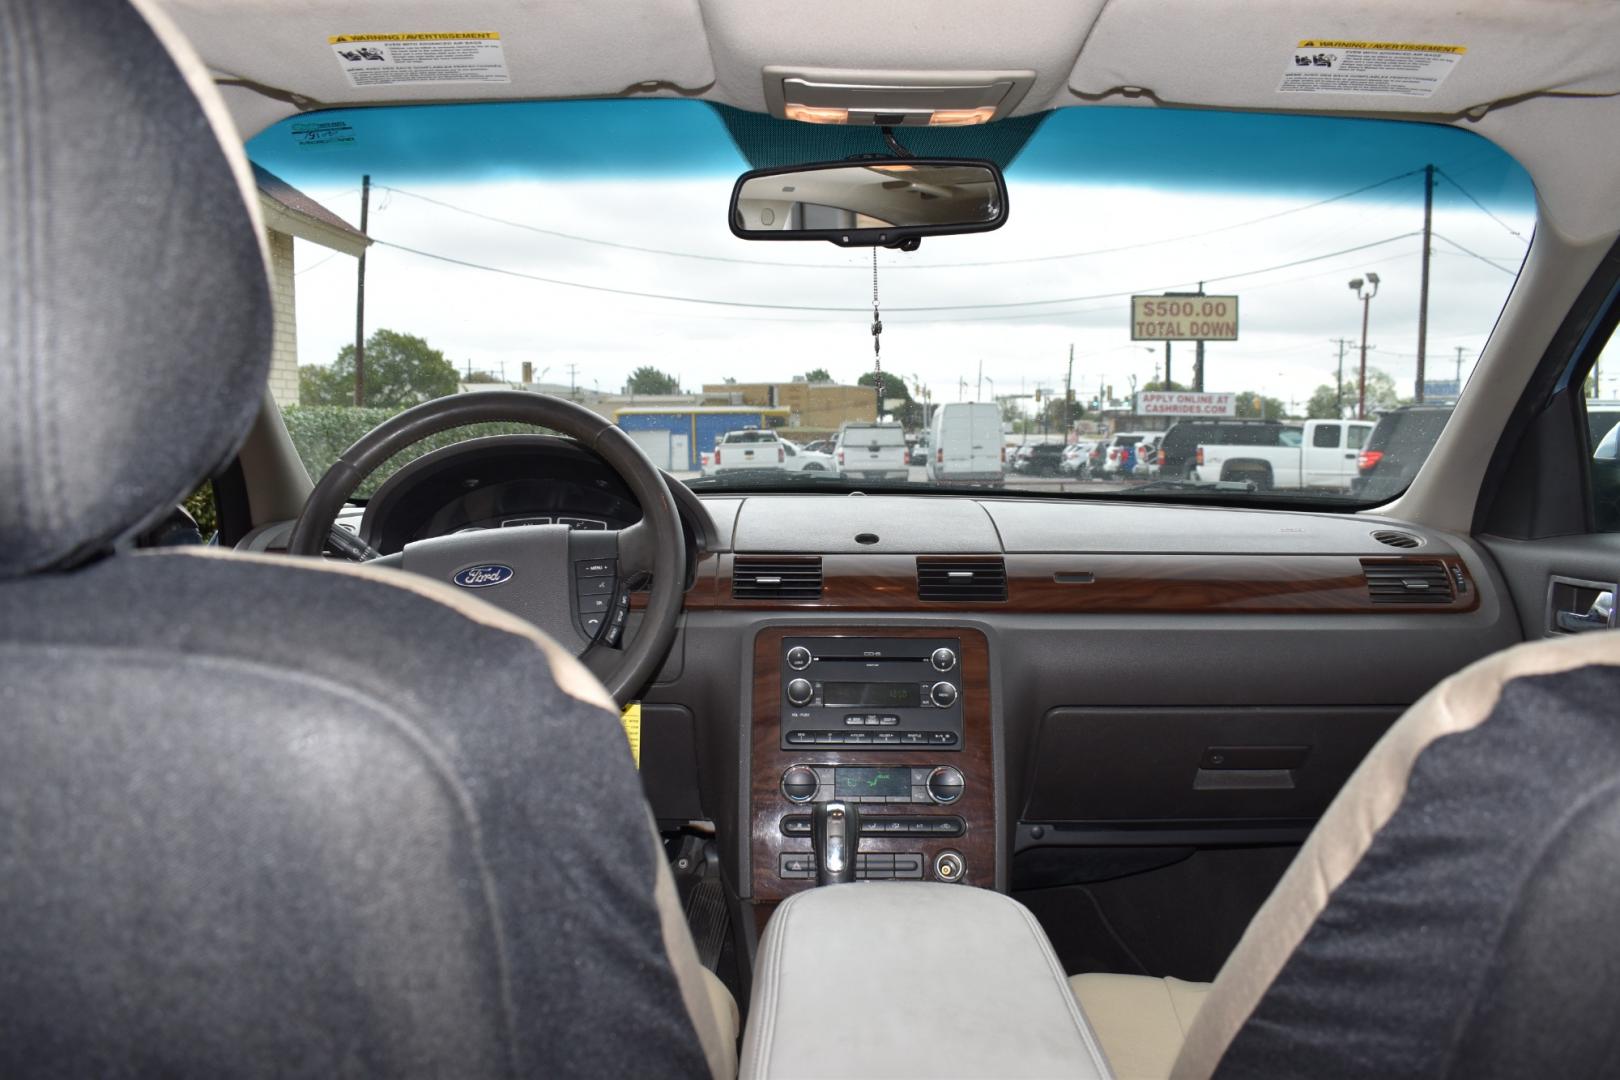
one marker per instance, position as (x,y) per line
(1077,458)
(803,459)
(1122,453)
(749,449)
(966,441)
(1320,455)
(1043,459)
(1147,457)
(1179,446)
(1397,447)
(822,446)
(872,452)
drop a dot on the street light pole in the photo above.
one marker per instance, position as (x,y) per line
(1365,296)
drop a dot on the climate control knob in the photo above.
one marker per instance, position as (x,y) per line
(945,784)
(943,659)
(798,658)
(799,691)
(800,783)
(943,694)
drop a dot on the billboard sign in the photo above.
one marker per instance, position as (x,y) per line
(1184,403)
(1184,318)
(1441,388)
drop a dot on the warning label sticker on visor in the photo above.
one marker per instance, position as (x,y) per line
(1398,68)
(395,59)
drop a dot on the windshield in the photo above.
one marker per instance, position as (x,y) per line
(582,249)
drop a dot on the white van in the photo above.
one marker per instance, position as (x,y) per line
(872,452)
(966,442)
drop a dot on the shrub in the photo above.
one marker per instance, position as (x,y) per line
(322,432)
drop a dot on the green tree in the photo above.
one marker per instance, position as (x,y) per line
(401,370)
(1253,406)
(1381,392)
(819,375)
(1159,384)
(1324,403)
(649,380)
(909,413)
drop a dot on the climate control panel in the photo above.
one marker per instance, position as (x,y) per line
(932,785)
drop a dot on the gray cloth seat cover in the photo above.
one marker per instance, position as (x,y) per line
(256,817)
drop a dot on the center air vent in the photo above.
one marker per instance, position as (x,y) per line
(770,578)
(1407,582)
(1397,539)
(961,579)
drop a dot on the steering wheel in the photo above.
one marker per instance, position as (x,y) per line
(573,585)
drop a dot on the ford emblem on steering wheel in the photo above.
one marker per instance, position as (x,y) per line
(482,577)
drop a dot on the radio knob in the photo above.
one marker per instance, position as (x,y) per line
(799,691)
(945,784)
(943,659)
(800,783)
(942,694)
(798,658)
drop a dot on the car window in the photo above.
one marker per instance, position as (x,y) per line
(1358,436)
(1290,437)
(1325,436)
(609,217)
(1602,404)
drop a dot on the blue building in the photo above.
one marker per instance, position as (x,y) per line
(676,437)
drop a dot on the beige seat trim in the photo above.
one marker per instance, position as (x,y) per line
(1363,806)
(573,677)
(1141,1022)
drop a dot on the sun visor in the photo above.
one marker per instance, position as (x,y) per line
(1386,55)
(406,50)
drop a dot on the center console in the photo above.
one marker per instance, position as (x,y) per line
(891,726)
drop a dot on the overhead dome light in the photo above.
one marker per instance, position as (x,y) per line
(894,98)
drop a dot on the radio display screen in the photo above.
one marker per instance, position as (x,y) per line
(896,695)
(847,782)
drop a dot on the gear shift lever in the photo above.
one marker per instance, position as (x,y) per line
(834,838)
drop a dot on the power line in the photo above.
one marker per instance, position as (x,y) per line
(1487,260)
(1470,197)
(903,266)
(931,308)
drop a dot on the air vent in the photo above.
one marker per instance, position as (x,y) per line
(1391,538)
(757,578)
(966,580)
(1407,582)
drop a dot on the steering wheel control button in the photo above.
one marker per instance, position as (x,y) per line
(800,784)
(592,604)
(943,694)
(799,691)
(589,586)
(591,624)
(798,658)
(943,659)
(949,867)
(599,568)
(945,785)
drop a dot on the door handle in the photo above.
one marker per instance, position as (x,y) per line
(1600,616)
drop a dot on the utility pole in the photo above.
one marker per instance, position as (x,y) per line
(572,370)
(1068,391)
(1166,365)
(1459,368)
(978,391)
(360,301)
(1423,287)
(1198,356)
(1358,286)
(1343,343)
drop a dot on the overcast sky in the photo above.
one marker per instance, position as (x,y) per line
(1166,230)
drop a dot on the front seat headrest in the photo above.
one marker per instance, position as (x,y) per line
(135,340)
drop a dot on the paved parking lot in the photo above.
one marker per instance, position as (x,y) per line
(1054,484)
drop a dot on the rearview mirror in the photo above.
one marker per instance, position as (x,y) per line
(891,202)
